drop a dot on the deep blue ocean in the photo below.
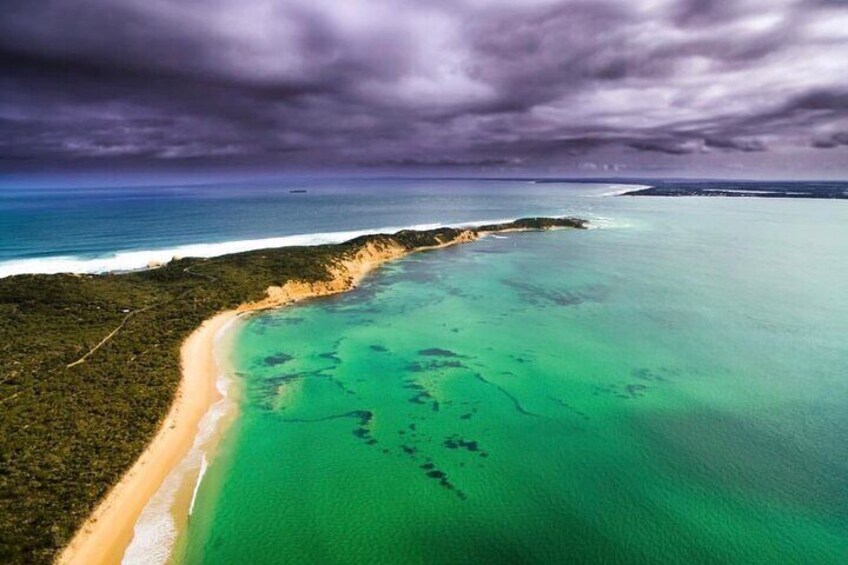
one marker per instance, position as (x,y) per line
(113,228)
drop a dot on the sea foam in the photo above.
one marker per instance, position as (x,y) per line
(621,189)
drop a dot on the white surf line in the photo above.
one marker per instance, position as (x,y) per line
(622,189)
(203,465)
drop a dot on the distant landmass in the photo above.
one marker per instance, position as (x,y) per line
(644,186)
(755,189)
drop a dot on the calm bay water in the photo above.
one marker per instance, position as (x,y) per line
(670,388)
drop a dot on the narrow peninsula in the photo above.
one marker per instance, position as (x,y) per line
(104,378)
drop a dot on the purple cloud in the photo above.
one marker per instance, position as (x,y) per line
(549,85)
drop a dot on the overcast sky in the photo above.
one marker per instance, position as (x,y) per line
(721,88)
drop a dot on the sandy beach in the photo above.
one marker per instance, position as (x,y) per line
(105,536)
(107,532)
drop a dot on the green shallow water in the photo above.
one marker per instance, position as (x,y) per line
(674,389)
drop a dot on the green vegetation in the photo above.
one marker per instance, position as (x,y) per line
(535,224)
(68,429)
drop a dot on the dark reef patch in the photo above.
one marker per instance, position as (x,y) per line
(432,472)
(263,392)
(506,393)
(409,449)
(277,359)
(273,382)
(421,398)
(417,367)
(331,355)
(661,374)
(438,352)
(364,417)
(568,406)
(635,390)
(457,442)
(363,431)
(538,295)
(626,391)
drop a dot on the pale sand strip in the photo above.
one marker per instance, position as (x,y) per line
(105,535)
(107,532)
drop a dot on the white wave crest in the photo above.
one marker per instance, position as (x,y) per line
(620,189)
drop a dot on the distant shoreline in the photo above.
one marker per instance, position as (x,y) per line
(107,533)
(830,190)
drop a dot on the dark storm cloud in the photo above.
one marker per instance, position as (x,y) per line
(474,83)
(663,146)
(440,163)
(831,141)
(747,145)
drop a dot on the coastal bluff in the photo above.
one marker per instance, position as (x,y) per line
(91,367)
(370,251)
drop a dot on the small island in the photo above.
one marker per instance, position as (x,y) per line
(103,374)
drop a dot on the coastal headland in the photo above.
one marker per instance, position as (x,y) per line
(106,377)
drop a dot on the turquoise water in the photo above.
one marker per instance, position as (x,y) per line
(672,388)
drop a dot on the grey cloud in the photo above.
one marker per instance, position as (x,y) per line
(428,163)
(822,100)
(698,13)
(663,146)
(743,144)
(424,84)
(831,141)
